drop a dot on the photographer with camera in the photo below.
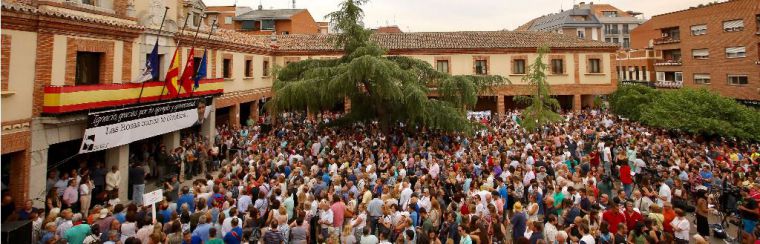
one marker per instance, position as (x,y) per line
(750,213)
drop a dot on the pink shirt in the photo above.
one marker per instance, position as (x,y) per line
(70,195)
(339,211)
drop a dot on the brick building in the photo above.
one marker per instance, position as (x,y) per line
(262,21)
(63,59)
(715,46)
(589,21)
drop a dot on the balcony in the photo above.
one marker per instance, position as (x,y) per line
(669,63)
(669,84)
(666,40)
(65,99)
(612,32)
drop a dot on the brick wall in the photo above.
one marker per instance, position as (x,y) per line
(716,40)
(43,70)
(74,45)
(126,65)
(303,23)
(5,61)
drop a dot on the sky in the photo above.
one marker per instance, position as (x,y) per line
(459,15)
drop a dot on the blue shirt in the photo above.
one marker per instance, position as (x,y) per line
(234,236)
(202,232)
(186,198)
(167,213)
(121,217)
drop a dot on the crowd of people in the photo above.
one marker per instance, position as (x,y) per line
(592,178)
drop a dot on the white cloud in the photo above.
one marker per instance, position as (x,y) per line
(460,15)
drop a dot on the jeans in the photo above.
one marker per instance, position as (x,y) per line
(373,221)
(137,194)
(628,188)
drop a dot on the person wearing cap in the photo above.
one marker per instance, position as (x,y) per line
(104,220)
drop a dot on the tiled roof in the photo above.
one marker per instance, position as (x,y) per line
(268,14)
(23,8)
(447,40)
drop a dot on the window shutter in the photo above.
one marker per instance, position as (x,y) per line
(699,27)
(735,50)
(733,24)
(700,52)
(701,76)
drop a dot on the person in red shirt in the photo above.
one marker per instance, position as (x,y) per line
(631,216)
(626,179)
(613,216)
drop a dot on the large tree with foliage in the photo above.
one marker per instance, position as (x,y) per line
(542,107)
(696,111)
(386,89)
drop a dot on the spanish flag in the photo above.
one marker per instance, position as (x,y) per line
(172,75)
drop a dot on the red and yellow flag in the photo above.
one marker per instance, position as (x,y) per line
(172,76)
(186,81)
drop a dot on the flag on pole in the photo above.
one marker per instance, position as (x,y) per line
(188,73)
(172,74)
(201,72)
(150,71)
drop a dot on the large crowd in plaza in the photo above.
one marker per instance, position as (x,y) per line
(592,178)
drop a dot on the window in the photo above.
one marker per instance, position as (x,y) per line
(609,13)
(615,40)
(701,78)
(249,68)
(248,25)
(228,20)
(88,68)
(481,67)
(557,66)
(607,39)
(88,2)
(737,79)
(733,25)
(636,71)
(267,24)
(442,66)
(660,76)
(679,76)
(196,19)
(594,65)
(227,68)
(581,34)
(265,68)
(757,20)
(698,30)
(197,62)
(626,42)
(625,29)
(736,52)
(700,53)
(644,72)
(518,66)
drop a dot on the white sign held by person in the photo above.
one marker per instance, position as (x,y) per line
(153,197)
(116,127)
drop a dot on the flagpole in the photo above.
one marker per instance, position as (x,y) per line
(197,29)
(205,51)
(158,36)
(178,41)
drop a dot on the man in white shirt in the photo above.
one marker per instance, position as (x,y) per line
(368,238)
(406,193)
(227,224)
(664,193)
(681,227)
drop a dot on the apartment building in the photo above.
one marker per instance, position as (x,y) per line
(262,21)
(65,62)
(714,46)
(589,21)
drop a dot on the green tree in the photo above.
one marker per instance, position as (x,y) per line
(629,101)
(385,89)
(542,107)
(700,111)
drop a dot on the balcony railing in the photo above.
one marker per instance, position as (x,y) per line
(65,99)
(666,40)
(669,62)
(611,32)
(637,82)
(669,84)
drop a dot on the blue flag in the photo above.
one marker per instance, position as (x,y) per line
(150,71)
(201,73)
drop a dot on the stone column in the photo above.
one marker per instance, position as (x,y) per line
(38,176)
(346,105)
(119,156)
(171,140)
(235,115)
(254,110)
(577,102)
(208,129)
(500,108)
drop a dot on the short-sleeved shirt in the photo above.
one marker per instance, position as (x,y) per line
(76,234)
